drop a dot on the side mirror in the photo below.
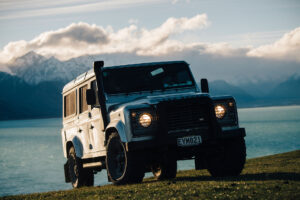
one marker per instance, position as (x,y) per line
(90,97)
(204,85)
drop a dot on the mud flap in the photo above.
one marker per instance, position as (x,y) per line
(67,174)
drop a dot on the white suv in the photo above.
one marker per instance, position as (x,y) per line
(137,118)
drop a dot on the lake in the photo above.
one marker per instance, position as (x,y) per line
(31,158)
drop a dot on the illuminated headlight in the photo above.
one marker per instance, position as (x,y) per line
(220,111)
(145,119)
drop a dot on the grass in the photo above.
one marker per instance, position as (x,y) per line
(270,177)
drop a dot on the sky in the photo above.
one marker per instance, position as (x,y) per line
(231,29)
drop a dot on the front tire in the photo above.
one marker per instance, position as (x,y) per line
(232,162)
(122,167)
(79,177)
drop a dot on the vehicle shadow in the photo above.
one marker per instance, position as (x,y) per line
(243,177)
(246,177)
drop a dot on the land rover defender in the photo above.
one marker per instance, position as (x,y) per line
(139,118)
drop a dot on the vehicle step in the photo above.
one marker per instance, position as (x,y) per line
(94,164)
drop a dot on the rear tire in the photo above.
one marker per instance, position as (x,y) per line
(122,167)
(79,177)
(166,168)
(232,162)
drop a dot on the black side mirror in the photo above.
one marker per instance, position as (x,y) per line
(204,85)
(90,97)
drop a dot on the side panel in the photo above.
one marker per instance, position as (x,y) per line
(96,130)
(68,134)
(83,132)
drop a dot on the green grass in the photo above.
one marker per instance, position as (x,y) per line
(270,177)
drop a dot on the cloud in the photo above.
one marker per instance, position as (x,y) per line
(286,48)
(159,43)
(223,49)
(35,8)
(63,43)
(82,39)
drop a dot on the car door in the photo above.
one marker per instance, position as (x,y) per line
(83,121)
(96,125)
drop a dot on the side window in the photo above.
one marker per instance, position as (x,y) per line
(70,104)
(82,99)
(95,88)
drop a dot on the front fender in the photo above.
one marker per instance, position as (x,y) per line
(120,127)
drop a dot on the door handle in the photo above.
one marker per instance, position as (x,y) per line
(79,130)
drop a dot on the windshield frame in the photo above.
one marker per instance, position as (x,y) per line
(180,65)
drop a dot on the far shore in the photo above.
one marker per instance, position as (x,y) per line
(60,116)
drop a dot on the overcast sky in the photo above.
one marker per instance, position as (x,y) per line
(235,29)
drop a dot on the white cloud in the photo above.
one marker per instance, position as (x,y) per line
(35,8)
(82,39)
(286,48)
(224,49)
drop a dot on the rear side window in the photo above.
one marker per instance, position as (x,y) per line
(70,104)
(82,99)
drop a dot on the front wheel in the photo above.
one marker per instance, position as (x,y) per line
(122,167)
(79,176)
(231,163)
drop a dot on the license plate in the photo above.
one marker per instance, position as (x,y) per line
(189,141)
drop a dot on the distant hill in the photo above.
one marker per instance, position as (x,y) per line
(289,89)
(34,91)
(19,100)
(34,68)
(220,87)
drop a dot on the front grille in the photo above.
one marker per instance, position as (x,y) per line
(186,114)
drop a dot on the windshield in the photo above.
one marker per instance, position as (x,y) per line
(146,78)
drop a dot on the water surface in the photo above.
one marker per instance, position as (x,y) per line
(31,157)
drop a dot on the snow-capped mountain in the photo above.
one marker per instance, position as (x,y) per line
(34,68)
(35,82)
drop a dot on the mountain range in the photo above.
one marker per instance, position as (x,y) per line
(33,87)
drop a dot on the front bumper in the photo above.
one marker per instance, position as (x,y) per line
(170,142)
(239,132)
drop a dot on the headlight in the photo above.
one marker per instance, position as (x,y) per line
(145,119)
(220,111)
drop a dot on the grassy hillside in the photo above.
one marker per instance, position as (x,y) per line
(270,177)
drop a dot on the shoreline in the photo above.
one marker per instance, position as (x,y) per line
(246,107)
